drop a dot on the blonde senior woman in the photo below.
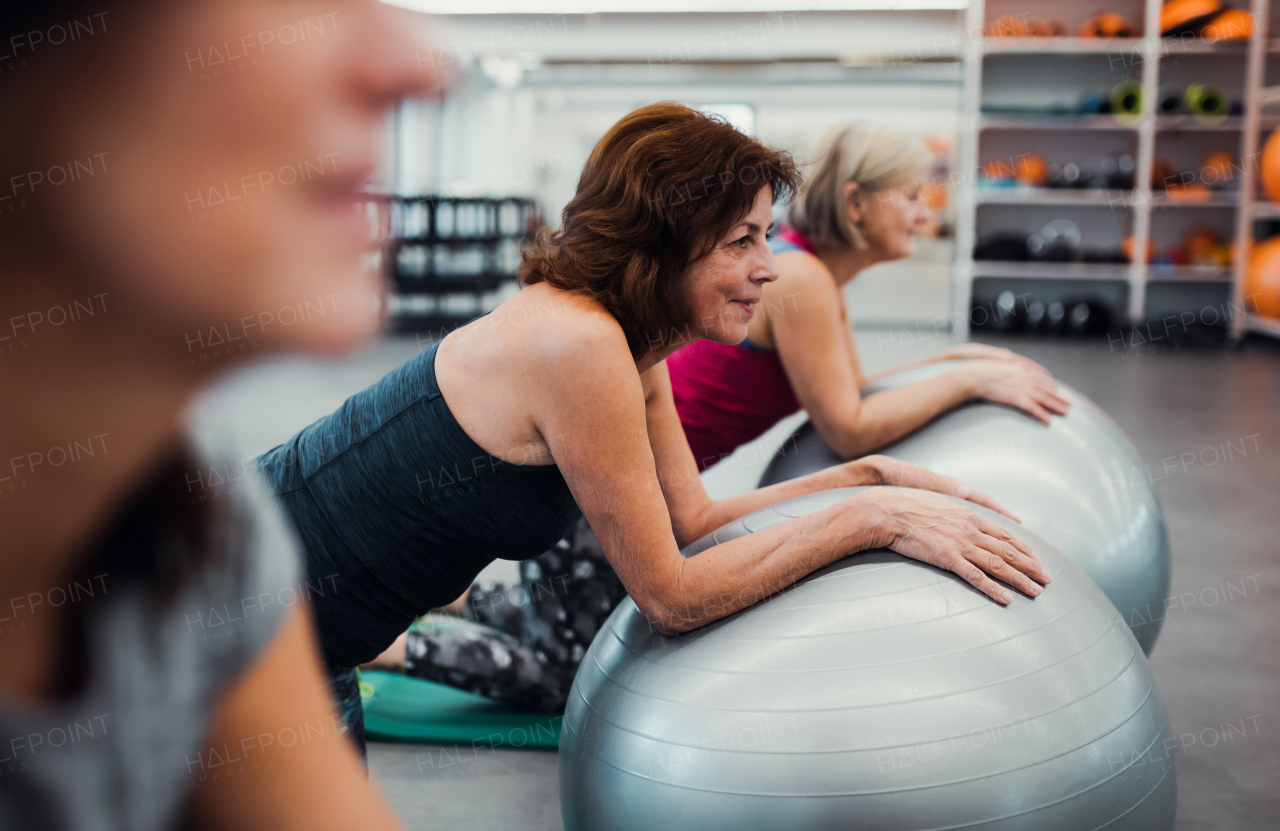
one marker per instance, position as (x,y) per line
(861,206)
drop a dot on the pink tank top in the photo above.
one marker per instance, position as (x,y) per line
(728,395)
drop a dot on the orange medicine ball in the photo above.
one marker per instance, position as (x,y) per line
(1217,168)
(1262,279)
(1032,169)
(1008,26)
(1198,245)
(1107,25)
(1233,24)
(1178,13)
(1271,166)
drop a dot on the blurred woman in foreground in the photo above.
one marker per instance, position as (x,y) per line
(175,174)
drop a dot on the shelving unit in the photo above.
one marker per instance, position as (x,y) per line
(1252,207)
(1052,196)
(1066,122)
(1212,200)
(1189,273)
(1142,56)
(448,259)
(1050,271)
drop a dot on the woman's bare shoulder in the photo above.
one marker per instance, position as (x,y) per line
(802,270)
(804,285)
(546,325)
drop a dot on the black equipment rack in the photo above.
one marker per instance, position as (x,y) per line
(446,257)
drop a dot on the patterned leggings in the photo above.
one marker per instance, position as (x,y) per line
(522,644)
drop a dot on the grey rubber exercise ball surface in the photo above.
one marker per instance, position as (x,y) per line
(877,693)
(1078,483)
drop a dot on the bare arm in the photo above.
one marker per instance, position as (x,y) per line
(694,514)
(313,783)
(817,352)
(961,352)
(816,347)
(598,425)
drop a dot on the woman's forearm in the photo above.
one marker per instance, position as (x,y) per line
(887,416)
(736,574)
(680,594)
(903,367)
(875,422)
(720,512)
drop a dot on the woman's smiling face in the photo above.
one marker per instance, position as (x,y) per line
(725,284)
(230,193)
(891,218)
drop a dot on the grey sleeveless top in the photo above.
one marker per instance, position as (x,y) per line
(123,754)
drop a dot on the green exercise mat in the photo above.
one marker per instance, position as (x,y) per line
(398,708)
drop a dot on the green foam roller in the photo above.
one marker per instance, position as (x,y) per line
(1126,98)
(398,708)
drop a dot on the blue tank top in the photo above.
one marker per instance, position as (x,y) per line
(778,245)
(398,509)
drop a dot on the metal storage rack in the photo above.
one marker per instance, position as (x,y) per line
(1144,129)
(1253,209)
(448,259)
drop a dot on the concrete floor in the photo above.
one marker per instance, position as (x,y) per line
(1217,661)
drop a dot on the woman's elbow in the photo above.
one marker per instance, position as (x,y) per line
(849,442)
(665,599)
(663,615)
(689,528)
(853,437)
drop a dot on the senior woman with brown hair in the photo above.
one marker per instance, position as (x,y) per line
(488,444)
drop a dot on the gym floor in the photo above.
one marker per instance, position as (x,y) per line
(1189,410)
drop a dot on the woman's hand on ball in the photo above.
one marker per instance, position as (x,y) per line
(1004,382)
(932,529)
(885,470)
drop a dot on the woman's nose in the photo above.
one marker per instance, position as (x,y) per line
(767,272)
(394,56)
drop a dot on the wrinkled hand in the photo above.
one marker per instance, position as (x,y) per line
(932,529)
(885,470)
(980,352)
(1005,382)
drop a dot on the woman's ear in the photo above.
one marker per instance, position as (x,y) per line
(853,202)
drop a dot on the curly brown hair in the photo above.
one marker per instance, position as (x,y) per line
(658,191)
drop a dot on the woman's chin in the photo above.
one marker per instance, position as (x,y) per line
(729,334)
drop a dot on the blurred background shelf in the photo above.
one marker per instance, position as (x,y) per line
(1199,46)
(1190,273)
(1030,269)
(1054,196)
(1059,45)
(1063,122)
(1262,325)
(451,259)
(1188,123)
(1213,199)
(1032,103)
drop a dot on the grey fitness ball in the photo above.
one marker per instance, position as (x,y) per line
(877,693)
(1078,483)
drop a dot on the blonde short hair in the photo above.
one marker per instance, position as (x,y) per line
(875,156)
